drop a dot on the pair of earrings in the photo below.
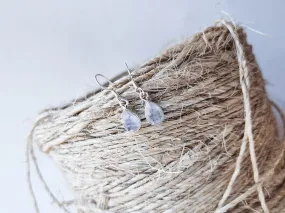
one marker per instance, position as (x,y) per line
(131,122)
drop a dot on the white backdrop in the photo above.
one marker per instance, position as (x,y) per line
(50,51)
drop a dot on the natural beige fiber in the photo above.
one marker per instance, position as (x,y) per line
(218,149)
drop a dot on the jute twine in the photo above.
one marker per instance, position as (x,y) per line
(218,149)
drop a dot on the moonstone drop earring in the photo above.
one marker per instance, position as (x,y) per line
(153,112)
(130,120)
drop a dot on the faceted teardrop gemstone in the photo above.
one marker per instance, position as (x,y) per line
(153,113)
(131,121)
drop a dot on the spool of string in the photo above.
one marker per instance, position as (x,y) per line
(218,150)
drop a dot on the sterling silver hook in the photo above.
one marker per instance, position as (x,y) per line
(122,101)
(129,71)
(143,95)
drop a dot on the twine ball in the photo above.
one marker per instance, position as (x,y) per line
(186,163)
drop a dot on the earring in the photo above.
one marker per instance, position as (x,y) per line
(153,112)
(130,120)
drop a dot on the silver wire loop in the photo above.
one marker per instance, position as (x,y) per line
(142,94)
(122,101)
(100,85)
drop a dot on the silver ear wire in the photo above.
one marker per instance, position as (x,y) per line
(130,120)
(142,94)
(153,112)
(122,101)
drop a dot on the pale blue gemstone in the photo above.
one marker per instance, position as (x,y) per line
(153,113)
(131,121)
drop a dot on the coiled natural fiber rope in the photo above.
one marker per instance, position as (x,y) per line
(217,151)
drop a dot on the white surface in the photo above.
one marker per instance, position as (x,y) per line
(50,51)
